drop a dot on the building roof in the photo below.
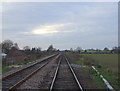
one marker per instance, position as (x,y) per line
(2,54)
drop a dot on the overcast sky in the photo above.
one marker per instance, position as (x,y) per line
(65,25)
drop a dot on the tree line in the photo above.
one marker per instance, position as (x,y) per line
(114,50)
(8,45)
(15,55)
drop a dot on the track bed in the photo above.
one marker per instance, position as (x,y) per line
(65,79)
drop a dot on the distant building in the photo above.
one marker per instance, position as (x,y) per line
(2,55)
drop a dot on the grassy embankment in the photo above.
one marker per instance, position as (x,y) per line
(106,64)
(6,68)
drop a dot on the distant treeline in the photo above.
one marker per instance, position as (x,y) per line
(12,54)
(114,50)
(7,46)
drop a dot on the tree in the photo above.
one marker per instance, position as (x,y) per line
(16,46)
(6,46)
(119,50)
(26,48)
(106,49)
(71,49)
(33,49)
(85,51)
(114,49)
(50,48)
(39,49)
(78,49)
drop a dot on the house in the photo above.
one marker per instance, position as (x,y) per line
(2,55)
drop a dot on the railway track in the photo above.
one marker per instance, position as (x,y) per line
(64,77)
(15,79)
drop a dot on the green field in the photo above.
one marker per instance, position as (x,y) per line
(109,61)
(106,64)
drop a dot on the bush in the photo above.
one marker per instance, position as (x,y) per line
(99,66)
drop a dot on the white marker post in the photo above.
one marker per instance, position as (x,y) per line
(104,80)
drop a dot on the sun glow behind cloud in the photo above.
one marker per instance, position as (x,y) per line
(49,29)
(40,31)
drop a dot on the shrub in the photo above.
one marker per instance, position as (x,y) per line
(99,66)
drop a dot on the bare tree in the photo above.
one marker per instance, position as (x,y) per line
(71,49)
(26,48)
(114,49)
(39,49)
(50,48)
(33,49)
(106,49)
(16,46)
(6,46)
(78,49)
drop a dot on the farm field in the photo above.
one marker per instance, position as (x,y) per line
(107,65)
(109,61)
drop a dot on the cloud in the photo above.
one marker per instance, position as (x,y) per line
(49,29)
(1,10)
(62,24)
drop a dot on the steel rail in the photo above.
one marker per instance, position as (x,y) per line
(80,86)
(14,73)
(73,73)
(55,75)
(28,76)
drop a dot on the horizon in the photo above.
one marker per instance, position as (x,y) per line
(58,48)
